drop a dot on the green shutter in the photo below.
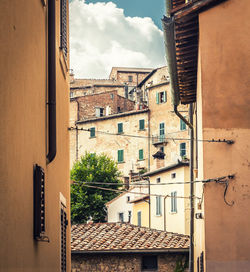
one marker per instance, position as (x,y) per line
(183,149)
(92,132)
(120,156)
(120,127)
(141,124)
(182,125)
(141,154)
(157,98)
(139,219)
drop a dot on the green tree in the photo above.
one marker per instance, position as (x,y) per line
(88,202)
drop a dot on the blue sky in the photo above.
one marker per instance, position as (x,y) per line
(104,34)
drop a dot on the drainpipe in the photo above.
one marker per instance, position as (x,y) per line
(169,38)
(51,82)
(149,204)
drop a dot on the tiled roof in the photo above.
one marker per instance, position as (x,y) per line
(78,83)
(124,237)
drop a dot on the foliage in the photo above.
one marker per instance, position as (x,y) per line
(89,202)
(180,266)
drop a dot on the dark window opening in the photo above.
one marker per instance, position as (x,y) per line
(173,175)
(130,78)
(129,216)
(149,263)
(128,198)
(121,217)
(158,180)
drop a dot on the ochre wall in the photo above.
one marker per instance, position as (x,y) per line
(225,65)
(23,139)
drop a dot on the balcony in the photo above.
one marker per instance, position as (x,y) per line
(158,139)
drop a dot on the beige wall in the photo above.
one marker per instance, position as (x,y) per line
(224,96)
(163,113)
(175,222)
(23,139)
(143,207)
(110,144)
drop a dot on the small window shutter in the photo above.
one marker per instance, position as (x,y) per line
(172,203)
(165,96)
(139,218)
(63,27)
(141,154)
(157,98)
(141,124)
(120,156)
(120,127)
(92,132)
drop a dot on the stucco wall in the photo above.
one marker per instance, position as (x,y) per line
(122,262)
(24,140)
(110,144)
(175,221)
(225,64)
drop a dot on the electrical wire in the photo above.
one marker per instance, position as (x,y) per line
(153,137)
(140,193)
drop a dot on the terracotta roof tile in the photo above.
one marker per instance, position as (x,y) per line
(123,236)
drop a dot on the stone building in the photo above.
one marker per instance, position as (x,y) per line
(34,138)
(124,247)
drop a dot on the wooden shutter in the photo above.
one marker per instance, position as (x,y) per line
(157,98)
(63,27)
(140,154)
(165,96)
(141,124)
(64,223)
(120,156)
(120,127)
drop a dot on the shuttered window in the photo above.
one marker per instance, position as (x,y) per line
(161,97)
(141,156)
(142,124)
(39,203)
(120,156)
(158,205)
(183,149)
(120,127)
(182,125)
(64,223)
(139,219)
(63,27)
(92,132)
(173,201)
(162,132)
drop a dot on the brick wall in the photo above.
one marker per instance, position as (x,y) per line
(89,103)
(123,262)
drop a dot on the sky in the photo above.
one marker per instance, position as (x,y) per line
(123,33)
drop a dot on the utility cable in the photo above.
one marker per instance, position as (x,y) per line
(153,137)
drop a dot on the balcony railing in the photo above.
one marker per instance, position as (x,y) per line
(158,139)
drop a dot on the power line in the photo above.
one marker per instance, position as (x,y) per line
(217,180)
(140,193)
(153,137)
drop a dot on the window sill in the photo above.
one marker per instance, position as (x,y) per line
(121,162)
(140,159)
(158,215)
(92,137)
(172,212)
(142,129)
(118,133)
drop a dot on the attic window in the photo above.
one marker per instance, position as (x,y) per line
(149,263)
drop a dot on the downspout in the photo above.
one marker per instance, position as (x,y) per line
(51,81)
(169,38)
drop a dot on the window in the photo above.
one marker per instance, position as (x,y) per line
(158,180)
(182,125)
(162,132)
(118,109)
(99,112)
(174,202)
(71,94)
(130,78)
(129,216)
(63,27)
(121,217)
(120,127)
(141,156)
(120,156)
(92,132)
(139,218)
(162,149)
(112,96)
(149,263)
(161,97)
(141,124)
(158,205)
(128,198)
(183,149)
(173,175)
(64,223)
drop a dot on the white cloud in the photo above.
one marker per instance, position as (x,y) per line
(102,37)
